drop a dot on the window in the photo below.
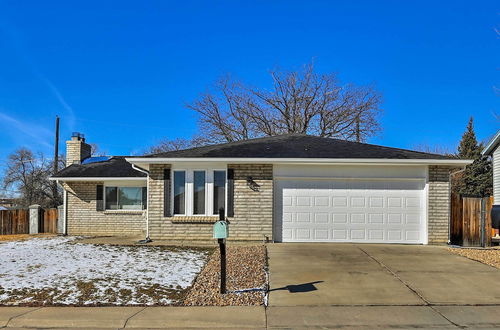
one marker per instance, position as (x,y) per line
(199,192)
(126,198)
(219,190)
(179,192)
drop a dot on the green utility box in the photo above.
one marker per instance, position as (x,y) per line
(221,229)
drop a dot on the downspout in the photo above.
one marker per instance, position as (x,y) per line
(147,240)
(65,211)
(65,207)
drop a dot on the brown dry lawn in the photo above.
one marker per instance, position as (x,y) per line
(21,237)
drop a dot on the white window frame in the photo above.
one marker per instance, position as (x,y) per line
(212,192)
(118,184)
(190,197)
(189,190)
(185,191)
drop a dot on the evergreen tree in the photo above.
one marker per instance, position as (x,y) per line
(477,179)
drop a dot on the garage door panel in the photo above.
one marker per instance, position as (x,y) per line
(303,217)
(321,218)
(357,201)
(358,218)
(377,218)
(376,201)
(321,201)
(362,211)
(339,218)
(376,234)
(340,234)
(394,218)
(303,201)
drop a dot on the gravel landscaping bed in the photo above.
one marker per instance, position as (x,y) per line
(246,279)
(490,257)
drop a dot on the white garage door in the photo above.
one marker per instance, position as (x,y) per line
(348,210)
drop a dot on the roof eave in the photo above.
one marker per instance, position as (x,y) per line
(332,161)
(88,178)
(492,144)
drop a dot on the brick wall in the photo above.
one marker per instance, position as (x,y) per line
(253,210)
(76,151)
(439,204)
(83,219)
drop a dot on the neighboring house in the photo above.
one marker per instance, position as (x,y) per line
(8,202)
(493,149)
(289,188)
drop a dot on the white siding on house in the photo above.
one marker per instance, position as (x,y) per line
(496,175)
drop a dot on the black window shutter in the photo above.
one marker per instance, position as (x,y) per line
(99,196)
(144,198)
(166,193)
(230,192)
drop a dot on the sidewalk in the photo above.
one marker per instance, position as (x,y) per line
(447,317)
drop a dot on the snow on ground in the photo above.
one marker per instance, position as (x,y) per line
(59,271)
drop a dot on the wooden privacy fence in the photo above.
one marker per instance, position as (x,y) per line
(15,221)
(470,223)
(48,221)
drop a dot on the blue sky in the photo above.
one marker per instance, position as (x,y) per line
(121,72)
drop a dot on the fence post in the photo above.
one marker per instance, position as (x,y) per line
(35,211)
(483,222)
(60,219)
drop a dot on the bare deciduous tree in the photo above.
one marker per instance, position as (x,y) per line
(172,145)
(299,102)
(29,173)
(96,151)
(434,149)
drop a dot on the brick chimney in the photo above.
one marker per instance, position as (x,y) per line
(76,149)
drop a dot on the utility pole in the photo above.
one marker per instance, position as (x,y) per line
(56,159)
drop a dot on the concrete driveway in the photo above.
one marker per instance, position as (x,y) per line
(361,274)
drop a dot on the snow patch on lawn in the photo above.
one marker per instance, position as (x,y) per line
(59,271)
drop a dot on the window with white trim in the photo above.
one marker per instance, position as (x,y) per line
(219,191)
(198,191)
(125,198)
(179,192)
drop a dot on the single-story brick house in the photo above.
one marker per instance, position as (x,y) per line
(288,188)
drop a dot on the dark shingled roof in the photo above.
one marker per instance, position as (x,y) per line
(297,146)
(114,167)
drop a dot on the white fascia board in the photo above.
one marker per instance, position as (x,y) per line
(490,147)
(330,161)
(99,179)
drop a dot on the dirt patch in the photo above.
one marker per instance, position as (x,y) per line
(490,257)
(246,279)
(21,237)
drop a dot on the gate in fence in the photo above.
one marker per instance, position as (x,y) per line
(470,221)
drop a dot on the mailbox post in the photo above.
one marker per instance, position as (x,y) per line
(221,232)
